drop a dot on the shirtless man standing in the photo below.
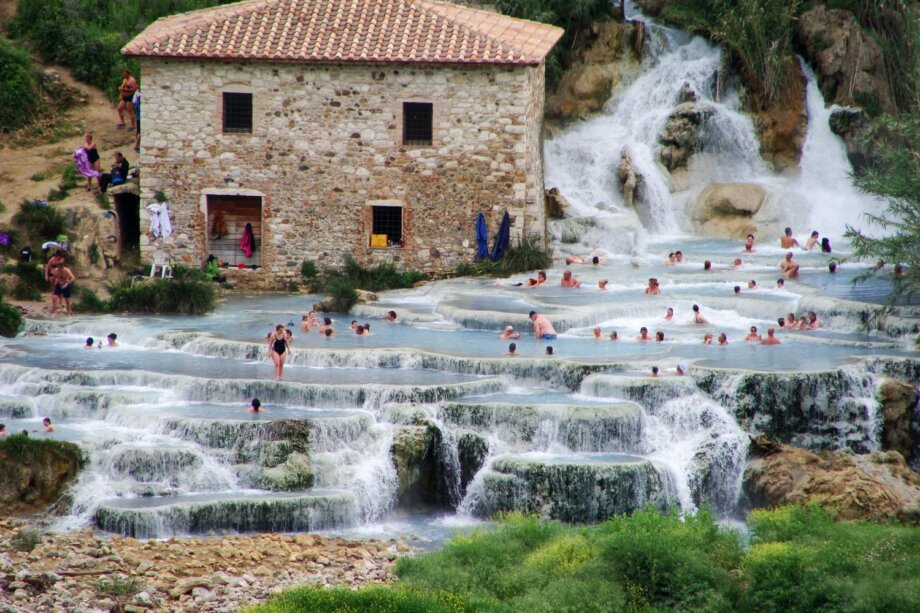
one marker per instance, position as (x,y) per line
(541,327)
(63,287)
(787,241)
(789,267)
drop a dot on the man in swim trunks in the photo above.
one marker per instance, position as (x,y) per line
(541,327)
(63,288)
(126,96)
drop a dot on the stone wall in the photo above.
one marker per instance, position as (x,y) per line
(327,143)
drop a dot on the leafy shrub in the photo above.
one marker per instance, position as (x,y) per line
(308,269)
(381,277)
(343,293)
(524,256)
(88,302)
(758,33)
(30,281)
(26,539)
(183,295)
(39,221)
(119,586)
(10,320)
(19,91)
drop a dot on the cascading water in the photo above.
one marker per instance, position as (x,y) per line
(578,435)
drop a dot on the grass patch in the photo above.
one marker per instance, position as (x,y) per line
(525,256)
(39,221)
(799,559)
(30,280)
(37,177)
(89,302)
(342,285)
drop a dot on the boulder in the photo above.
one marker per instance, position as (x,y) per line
(34,474)
(854,127)
(608,55)
(678,139)
(727,209)
(897,400)
(326,304)
(878,486)
(557,207)
(423,471)
(628,178)
(848,63)
(653,8)
(471,452)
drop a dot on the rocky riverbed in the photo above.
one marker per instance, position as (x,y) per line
(86,572)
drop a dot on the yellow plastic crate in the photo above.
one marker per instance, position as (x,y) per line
(378,241)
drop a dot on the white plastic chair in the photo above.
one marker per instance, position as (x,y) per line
(162,262)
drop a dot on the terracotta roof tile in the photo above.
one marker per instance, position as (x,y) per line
(390,31)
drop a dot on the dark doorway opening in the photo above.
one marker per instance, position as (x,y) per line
(128,209)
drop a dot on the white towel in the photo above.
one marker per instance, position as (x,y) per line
(159,220)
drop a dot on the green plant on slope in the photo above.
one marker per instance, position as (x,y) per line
(896,178)
(758,32)
(10,320)
(39,221)
(19,91)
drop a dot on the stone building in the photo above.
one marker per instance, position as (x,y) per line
(373,128)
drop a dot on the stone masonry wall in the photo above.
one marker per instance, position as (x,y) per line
(327,143)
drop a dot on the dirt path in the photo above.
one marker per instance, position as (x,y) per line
(19,165)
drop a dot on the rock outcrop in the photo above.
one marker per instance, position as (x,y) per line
(609,55)
(557,207)
(422,474)
(728,209)
(898,400)
(653,8)
(878,486)
(679,138)
(847,62)
(854,127)
(628,178)
(34,474)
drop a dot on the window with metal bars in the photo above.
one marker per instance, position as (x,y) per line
(387,220)
(237,112)
(417,123)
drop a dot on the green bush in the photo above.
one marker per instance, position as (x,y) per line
(39,221)
(88,302)
(10,320)
(758,33)
(308,269)
(343,293)
(182,295)
(19,91)
(30,280)
(87,35)
(26,539)
(380,278)
(527,255)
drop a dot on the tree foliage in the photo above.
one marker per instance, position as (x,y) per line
(896,178)
(19,91)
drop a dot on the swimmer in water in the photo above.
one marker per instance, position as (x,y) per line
(697,316)
(789,267)
(512,349)
(669,314)
(771,339)
(812,241)
(597,333)
(47,426)
(614,336)
(787,241)
(509,332)
(749,243)
(653,288)
(723,340)
(568,280)
(643,334)
(753,336)
(255,406)
(707,338)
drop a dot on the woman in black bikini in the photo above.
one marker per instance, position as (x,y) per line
(277,349)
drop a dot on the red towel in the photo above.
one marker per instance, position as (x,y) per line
(247,244)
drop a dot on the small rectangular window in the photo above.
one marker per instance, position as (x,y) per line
(417,123)
(237,112)
(386,221)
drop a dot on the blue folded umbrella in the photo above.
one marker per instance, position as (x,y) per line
(502,238)
(482,236)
